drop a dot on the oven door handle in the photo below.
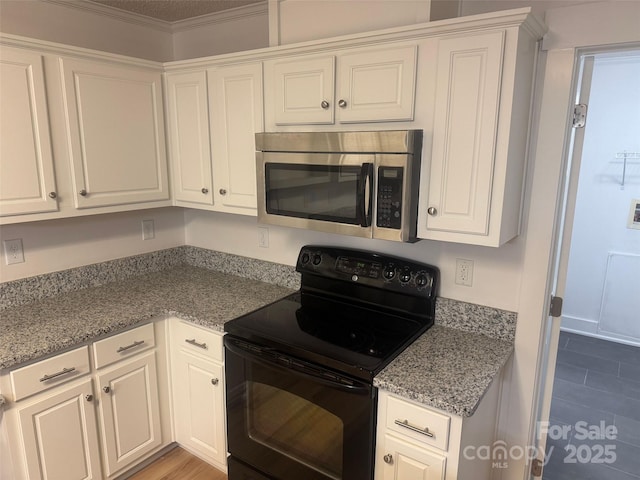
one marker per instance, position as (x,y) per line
(266,356)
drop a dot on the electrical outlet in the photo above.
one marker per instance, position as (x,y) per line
(148,230)
(263,237)
(13,252)
(464,272)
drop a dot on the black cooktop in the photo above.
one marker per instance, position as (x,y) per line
(354,313)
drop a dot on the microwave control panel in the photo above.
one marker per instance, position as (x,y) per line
(389,201)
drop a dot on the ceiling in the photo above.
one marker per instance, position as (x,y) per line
(174,10)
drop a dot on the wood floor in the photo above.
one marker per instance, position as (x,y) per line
(178,464)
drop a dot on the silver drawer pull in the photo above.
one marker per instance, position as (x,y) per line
(196,344)
(406,424)
(133,345)
(57,374)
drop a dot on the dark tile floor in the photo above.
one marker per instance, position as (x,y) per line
(595,411)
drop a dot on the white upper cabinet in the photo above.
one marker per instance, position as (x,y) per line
(188,129)
(115,129)
(368,85)
(236,110)
(471,183)
(377,85)
(27,183)
(303,91)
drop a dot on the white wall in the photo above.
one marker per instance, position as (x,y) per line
(54,245)
(243,28)
(602,205)
(95,28)
(496,275)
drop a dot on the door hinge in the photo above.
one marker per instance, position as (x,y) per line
(579,115)
(536,467)
(555,307)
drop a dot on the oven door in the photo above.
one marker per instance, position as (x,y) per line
(292,420)
(319,191)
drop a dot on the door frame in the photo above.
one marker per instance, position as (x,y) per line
(570,29)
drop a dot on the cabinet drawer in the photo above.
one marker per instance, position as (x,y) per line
(197,340)
(418,423)
(123,345)
(48,373)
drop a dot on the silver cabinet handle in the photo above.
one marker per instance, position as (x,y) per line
(83,192)
(193,342)
(222,191)
(106,389)
(88,397)
(205,190)
(406,424)
(64,371)
(214,381)
(432,211)
(53,195)
(324,104)
(133,345)
(388,458)
(342,103)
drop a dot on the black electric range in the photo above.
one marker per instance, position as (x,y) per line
(354,313)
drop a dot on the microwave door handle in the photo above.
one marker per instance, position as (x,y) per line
(366,174)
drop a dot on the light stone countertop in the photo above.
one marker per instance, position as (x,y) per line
(205,297)
(446,368)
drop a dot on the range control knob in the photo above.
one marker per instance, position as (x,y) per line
(405,276)
(317,259)
(389,272)
(304,259)
(421,280)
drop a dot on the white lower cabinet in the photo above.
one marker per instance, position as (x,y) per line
(65,423)
(198,391)
(129,412)
(414,442)
(59,434)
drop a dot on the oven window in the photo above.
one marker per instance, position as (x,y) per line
(320,192)
(295,427)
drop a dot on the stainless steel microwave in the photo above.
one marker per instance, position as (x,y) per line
(363,184)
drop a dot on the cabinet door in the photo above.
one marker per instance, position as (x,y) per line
(304,91)
(27,183)
(129,411)
(115,129)
(188,127)
(199,406)
(236,109)
(60,435)
(469,73)
(377,85)
(404,461)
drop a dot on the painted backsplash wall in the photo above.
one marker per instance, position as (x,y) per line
(496,275)
(54,245)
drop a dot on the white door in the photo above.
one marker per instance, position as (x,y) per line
(27,183)
(60,435)
(303,90)
(115,128)
(562,260)
(376,86)
(236,109)
(200,408)
(188,127)
(129,411)
(469,73)
(404,461)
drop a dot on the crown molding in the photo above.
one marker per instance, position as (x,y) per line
(237,13)
(114,13)
(245,11)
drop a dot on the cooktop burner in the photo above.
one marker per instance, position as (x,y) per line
(354,313)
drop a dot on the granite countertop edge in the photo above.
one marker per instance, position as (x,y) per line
(445,368)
